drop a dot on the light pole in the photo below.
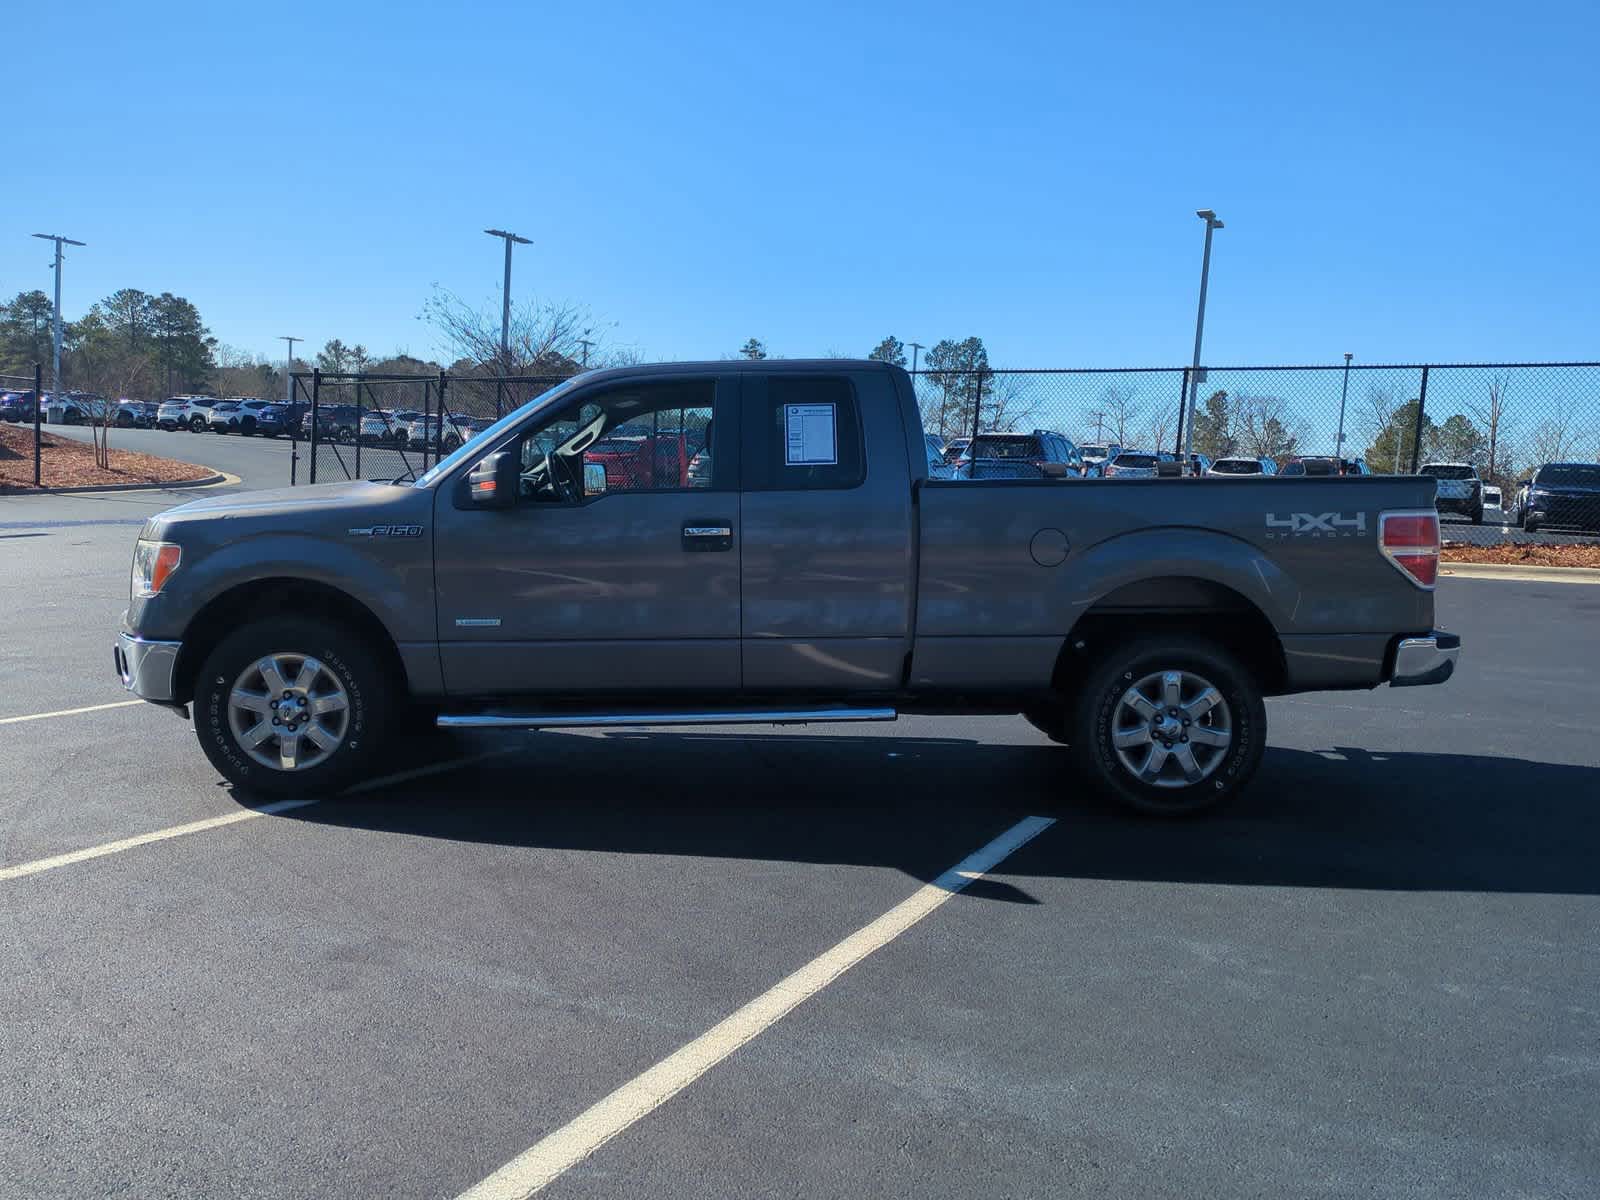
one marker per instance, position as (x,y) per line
(915,346)
(505,298)
(288,368)
(585,343)
(1210,218)
(55,322)
(1344,394)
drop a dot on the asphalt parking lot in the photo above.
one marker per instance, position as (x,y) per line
(1373,975)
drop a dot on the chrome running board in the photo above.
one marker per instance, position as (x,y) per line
(774,716)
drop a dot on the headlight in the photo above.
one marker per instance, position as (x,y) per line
(153,565)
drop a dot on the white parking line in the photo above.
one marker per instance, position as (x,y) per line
(144,839)
(39,865)
(560,1151)
(69,712)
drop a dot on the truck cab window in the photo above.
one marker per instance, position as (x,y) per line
(641,438)
(814,434)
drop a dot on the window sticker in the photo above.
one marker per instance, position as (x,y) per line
(810,435)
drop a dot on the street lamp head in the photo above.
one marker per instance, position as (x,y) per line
(510,237)
(52,237)
(1205,214)
(1347,357)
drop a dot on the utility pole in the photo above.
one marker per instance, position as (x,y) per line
(505,297)
(585,343)
(1099,425)
(915,346)
(1344,394)
(288,369)
(1210,218)
(55,360)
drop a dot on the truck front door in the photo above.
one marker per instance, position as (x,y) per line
(597,580)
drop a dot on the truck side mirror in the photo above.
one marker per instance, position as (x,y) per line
(495,481)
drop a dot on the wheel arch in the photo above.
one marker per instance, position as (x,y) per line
(1175,604)
(260,598)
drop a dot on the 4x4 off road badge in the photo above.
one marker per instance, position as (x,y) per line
(1316,525)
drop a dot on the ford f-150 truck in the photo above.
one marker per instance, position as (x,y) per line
(808,571)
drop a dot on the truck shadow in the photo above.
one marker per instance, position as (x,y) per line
(1341,818)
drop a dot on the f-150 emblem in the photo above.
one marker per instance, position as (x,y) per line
(1321,525)
(385,531)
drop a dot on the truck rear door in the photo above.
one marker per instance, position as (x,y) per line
(828,555)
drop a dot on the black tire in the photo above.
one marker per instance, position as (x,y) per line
(358,670)
(1477,516)
(247,426)
(1093,717)
(196,424)
(1529,525)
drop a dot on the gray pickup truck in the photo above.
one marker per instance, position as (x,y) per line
(760,542)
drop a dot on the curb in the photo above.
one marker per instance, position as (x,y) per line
(210,480)
(1528,574)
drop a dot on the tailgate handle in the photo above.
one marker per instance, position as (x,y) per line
(708,537)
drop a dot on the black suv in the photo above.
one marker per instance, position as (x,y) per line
(335,422)
(1036,455)
(1564,494)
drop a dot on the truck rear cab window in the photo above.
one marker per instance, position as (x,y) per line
(813,429)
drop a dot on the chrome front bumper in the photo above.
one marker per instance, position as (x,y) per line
(146,668)
(1424,660)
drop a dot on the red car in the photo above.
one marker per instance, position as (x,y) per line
(637,460)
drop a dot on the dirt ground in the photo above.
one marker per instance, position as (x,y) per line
(1522,556)
(67,463)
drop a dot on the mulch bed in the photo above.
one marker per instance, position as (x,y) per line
(69,463)
(1509,554)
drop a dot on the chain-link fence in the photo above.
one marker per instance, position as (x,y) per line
(20,406)
(1515,446)
(360,426)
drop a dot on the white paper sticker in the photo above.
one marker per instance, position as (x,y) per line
(809,435)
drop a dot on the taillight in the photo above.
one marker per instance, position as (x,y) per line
(1410,540)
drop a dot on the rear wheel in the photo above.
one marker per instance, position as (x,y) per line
(1169,725)
(288,707)
(196,424)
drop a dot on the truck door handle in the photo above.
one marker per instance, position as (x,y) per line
(707,537)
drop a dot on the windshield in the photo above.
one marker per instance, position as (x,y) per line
(469,448)
(1135,460)
(1568,475)
(1448,471)
(1006,447)
(1096,451)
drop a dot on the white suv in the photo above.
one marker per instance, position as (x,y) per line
(1460,488)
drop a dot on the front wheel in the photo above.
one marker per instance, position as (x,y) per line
(288,707)
(1170,725)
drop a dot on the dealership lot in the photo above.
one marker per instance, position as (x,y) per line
(1374,974)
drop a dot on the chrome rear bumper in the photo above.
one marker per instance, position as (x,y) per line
(1424,660)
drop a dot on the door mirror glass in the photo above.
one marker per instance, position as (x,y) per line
(594,478)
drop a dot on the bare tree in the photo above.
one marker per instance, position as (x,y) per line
(543,338)
(1490,415)
(1553,440)
(1163,421)
(1266,426)
(1119,403)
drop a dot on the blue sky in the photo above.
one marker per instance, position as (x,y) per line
(1407,182)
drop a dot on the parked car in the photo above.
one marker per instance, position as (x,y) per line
(1460,489)
(136,414)
(822,578)
(1199,464)
(955,448)
(384,426)
(1313,464)
(335,422)
(246,415)
(186,412)
(1096,457)
(1493,504)
(76,408)
(1037,455)
(1135,464)
(937,467)
(636,458)
(1232,467)
(1563,494)
(16,406)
